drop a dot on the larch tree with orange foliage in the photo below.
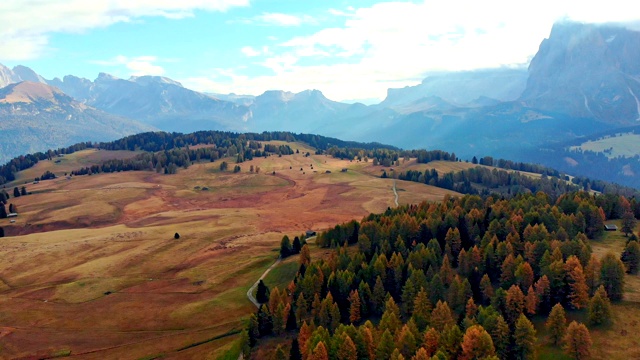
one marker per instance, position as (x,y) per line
(476,344)
(354,308)
(320,352)
(577,341)
(347,349)
(579,294)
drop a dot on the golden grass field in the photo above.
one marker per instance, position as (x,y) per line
(625,145)
(91,268)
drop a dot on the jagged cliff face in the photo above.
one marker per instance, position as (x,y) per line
(587,71)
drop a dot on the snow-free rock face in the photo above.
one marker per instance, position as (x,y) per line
(7,76)
(588,71)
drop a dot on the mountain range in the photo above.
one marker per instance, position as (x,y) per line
(584,80)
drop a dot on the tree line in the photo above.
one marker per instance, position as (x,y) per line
(456,279)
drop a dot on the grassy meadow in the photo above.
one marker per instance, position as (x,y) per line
(91,269)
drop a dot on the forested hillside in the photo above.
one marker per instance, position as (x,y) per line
(460,279)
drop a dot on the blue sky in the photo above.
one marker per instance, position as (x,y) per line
(350,50)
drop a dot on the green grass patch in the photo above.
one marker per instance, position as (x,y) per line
(282,274)
(61,353)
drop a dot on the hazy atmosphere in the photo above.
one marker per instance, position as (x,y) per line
(348,50)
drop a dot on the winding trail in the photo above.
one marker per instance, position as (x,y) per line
(395,192)
(255,285)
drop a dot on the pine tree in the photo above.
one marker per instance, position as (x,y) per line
(406,342)
(1,232)
(347,349)
(320,352)
(577,341)
(514,304)
(262,294)
(477,344)
(501,337)
(612,276)
(441,316)
(391,317)
(385,347)
(421,310)
(285,247)
(354,307)
(631,257)
(486,288)
(599,307)
(556,324)
(379,295)
(3,211)
(524,339)
(629,223)
(245,344)
(294,353)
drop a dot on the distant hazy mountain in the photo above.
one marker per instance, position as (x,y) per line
(460,88)
(36,117)
(245,100)
(588,71)
(306,111)
(155,100)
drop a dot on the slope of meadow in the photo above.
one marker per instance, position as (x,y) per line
(91,267)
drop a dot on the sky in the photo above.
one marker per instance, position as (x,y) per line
(350,50)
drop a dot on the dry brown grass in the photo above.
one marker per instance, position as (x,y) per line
(91,265)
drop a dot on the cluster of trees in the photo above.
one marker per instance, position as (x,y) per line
(514,165)
(8,170)
(4,199)
(162,141)
(288,248)
(457,279)
(482,180)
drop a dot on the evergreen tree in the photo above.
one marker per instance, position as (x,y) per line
(577,341)
(501,337)
(16,192)
(556,324)
(245,344)
(296,246)
(23,191)
(262,293)
(319,352)
(629,223)
(406,342)
(3,211)
(441,316)
(421,310)
(285,247)
(294,353)
(524,339)
(1,232)
(347,349)
(612,276)
(385,347)
(599,310)
(631,257)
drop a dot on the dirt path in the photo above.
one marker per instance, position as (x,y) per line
(255,285)
(395,192)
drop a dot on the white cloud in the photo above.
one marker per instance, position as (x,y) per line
(136,66)
(26,24)
(250,52)
(278,19)
(394,44)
